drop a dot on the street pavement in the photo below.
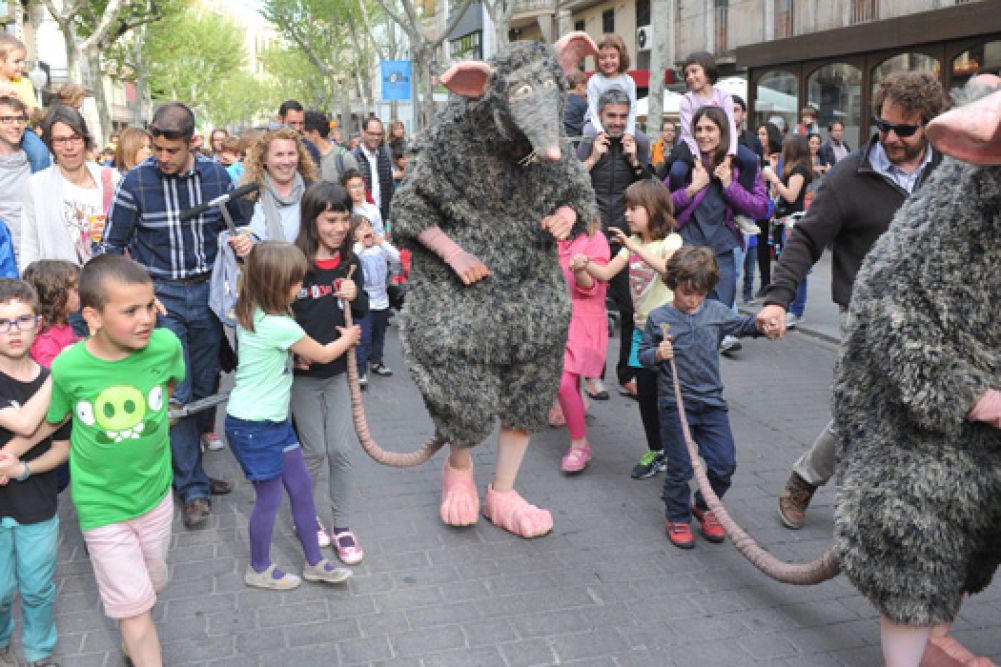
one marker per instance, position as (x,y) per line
(605,588)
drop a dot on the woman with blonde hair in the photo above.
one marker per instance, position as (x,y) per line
(134,146)
(279,162)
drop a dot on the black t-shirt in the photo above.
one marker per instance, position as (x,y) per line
(34,499)
(797,206)
(319,314)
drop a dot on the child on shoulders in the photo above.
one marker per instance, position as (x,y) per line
(695,328)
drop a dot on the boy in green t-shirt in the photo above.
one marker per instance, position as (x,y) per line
(116,384)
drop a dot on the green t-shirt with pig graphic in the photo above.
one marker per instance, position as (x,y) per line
(120,465)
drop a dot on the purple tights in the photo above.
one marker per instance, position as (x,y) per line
(295,478)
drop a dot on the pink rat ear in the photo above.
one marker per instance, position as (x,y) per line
(573,46)
(971,133)
(468,78)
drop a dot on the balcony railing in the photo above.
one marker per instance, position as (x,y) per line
(533,7)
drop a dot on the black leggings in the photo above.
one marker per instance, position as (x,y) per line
(646,390)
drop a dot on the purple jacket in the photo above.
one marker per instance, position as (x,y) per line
(739,202)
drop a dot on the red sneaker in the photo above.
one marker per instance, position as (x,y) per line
(711,528)
(680,535)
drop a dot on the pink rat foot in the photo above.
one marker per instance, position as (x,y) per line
(460,503)
(510,511)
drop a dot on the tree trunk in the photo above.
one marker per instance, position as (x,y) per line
(347,122)
(661,57)
(425,87)
(96,75)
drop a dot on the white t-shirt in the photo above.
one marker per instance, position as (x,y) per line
(83,216)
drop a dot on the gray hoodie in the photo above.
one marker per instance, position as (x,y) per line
(696,340)
(15,172)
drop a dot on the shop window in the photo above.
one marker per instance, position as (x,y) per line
(776,97)
(983,59)
(467,47)
(907,62)
(835,90)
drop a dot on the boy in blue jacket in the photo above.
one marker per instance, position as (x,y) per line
(696,327)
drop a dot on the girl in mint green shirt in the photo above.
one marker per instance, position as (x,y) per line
(257,416)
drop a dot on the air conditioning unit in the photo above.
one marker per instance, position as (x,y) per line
(644,38)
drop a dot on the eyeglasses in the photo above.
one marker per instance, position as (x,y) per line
(23,323)
(13,120)
(900,129)
(66,141)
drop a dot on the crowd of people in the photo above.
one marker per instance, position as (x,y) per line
(103,247)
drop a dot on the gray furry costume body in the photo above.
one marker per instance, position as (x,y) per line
(494,348)
(918,510)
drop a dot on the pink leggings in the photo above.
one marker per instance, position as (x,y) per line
(573,405)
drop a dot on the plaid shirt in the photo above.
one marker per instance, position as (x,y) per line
(145,218)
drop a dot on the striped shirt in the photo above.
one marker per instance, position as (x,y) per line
(145,218)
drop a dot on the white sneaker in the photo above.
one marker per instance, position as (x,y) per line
(792,321)
(212,442)
(729,344)
(321,535)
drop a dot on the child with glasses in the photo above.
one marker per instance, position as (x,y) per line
(29,525)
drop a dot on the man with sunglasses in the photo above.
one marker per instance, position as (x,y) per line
(852,208)
(145,218)
(15,169)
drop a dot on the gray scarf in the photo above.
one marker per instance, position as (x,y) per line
(271,201)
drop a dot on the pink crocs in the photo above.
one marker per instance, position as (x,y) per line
(460,503)
(576,459)
(510,511)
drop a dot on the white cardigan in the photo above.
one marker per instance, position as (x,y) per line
(44,235)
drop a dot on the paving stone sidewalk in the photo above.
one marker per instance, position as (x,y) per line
(604,589)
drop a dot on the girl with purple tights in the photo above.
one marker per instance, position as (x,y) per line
(257,420)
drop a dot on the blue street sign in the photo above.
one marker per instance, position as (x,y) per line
(396,80)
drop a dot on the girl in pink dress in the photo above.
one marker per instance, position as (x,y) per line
(587,340)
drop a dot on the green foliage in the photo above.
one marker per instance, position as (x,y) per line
(197,56)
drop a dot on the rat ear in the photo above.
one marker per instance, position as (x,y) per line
(573,46)
(971,133)
(468,78)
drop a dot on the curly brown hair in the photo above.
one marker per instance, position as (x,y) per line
(915,91)
(617,43)
(52,280)
(258,151)
(694,267)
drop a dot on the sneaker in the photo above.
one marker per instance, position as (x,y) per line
(576,459)
(326,572)
(794,500)
(269,581)
(212,442)
(651,464)
(595,388)
(680,534)
(363,381)
(321,535)
(7,657)
(348,549)
(711,528)
(729,344)
(381,369)
(792,321)
(196,512)
(45,662)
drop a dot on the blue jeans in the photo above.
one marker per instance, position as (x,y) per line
(798,305)
(710,428)
(189,317)
(37,151)
(726,291)
(373,338)
(750,259)
(27,563)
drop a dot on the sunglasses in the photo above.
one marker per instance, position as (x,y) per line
(900,129)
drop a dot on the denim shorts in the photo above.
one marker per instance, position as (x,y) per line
(260,445)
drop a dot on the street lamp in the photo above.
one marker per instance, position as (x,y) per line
(38,79)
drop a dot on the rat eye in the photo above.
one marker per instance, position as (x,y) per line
(521,92)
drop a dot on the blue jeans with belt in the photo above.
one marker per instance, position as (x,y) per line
(194,323)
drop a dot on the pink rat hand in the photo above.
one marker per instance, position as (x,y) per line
(987,408)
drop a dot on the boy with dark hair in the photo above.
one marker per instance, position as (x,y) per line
(29,525)
(688,330)
(116,386)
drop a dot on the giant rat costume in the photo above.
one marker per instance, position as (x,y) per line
(492,187)
(918,513)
